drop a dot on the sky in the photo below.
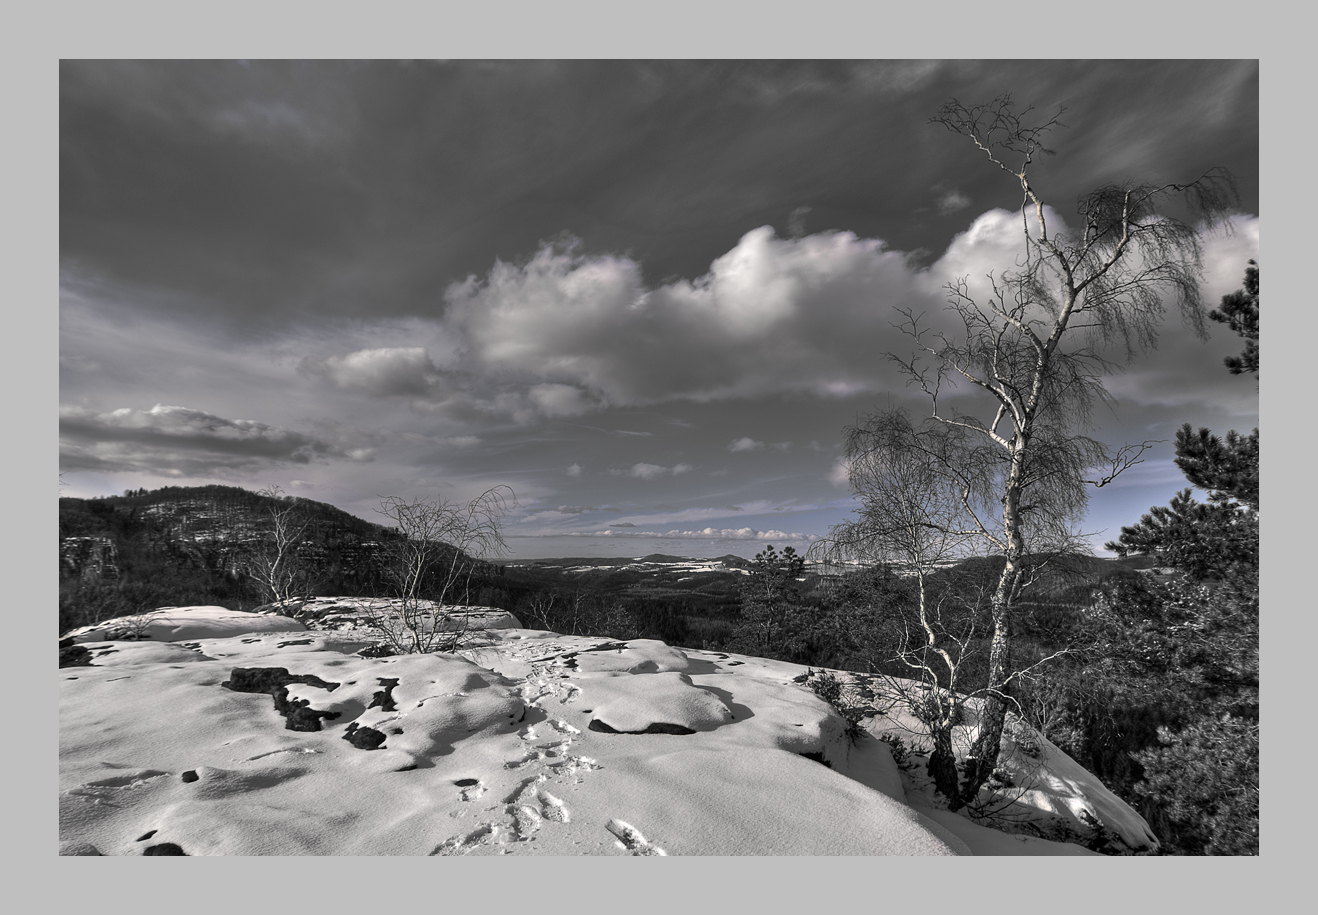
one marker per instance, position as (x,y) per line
(648,296)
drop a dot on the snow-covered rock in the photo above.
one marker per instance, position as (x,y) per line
(178,624)
(367,612)
(526,742)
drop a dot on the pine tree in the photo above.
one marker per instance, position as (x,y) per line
(1240,311)
(1204,777)
(770,624)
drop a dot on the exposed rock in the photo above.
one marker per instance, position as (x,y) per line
(298,714)
(72,655)
(384,699)
(364,738)
(165,848)
(655,727)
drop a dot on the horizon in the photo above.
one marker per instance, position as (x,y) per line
(648,296)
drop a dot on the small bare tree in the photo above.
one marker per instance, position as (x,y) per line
(440,548)
(274,562)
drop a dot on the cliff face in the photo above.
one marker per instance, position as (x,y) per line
(89,558)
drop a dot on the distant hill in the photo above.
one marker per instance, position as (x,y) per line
(185,545)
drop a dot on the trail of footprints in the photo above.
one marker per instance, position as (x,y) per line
(531,804)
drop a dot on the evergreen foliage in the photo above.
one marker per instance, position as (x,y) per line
(1207,776)
(1191,645)
(1204,540)
(1240,312)
(772,623)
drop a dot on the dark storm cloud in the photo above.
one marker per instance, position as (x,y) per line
(276,189)
(181,441)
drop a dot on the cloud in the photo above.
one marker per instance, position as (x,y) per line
(745,443)
(559,400)
(796,222)
(771,315)
(645,471)
(1188,374)
(840,475)
(688,515)
(383,372)
(574,470)
(951,201)
(567,333)
(175,441)
(709,533)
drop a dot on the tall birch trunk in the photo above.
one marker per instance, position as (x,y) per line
(983,755)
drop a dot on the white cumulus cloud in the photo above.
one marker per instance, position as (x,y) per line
(381,372)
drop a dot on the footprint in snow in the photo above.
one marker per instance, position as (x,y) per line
(551,808)
(571,765)
(529,756)
(461,845)
(630,838)
(563,727)
(554,749)
(471,788)
(532,804)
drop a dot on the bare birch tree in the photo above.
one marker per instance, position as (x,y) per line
(915,519)
(1075,305)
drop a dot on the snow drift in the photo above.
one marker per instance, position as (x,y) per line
(201,739)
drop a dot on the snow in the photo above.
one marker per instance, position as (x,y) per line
(1050,791)
(177,624)
(668,699)
(524,743)
(362,612)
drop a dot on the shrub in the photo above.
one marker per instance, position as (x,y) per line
(1206,777)
(843,698)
